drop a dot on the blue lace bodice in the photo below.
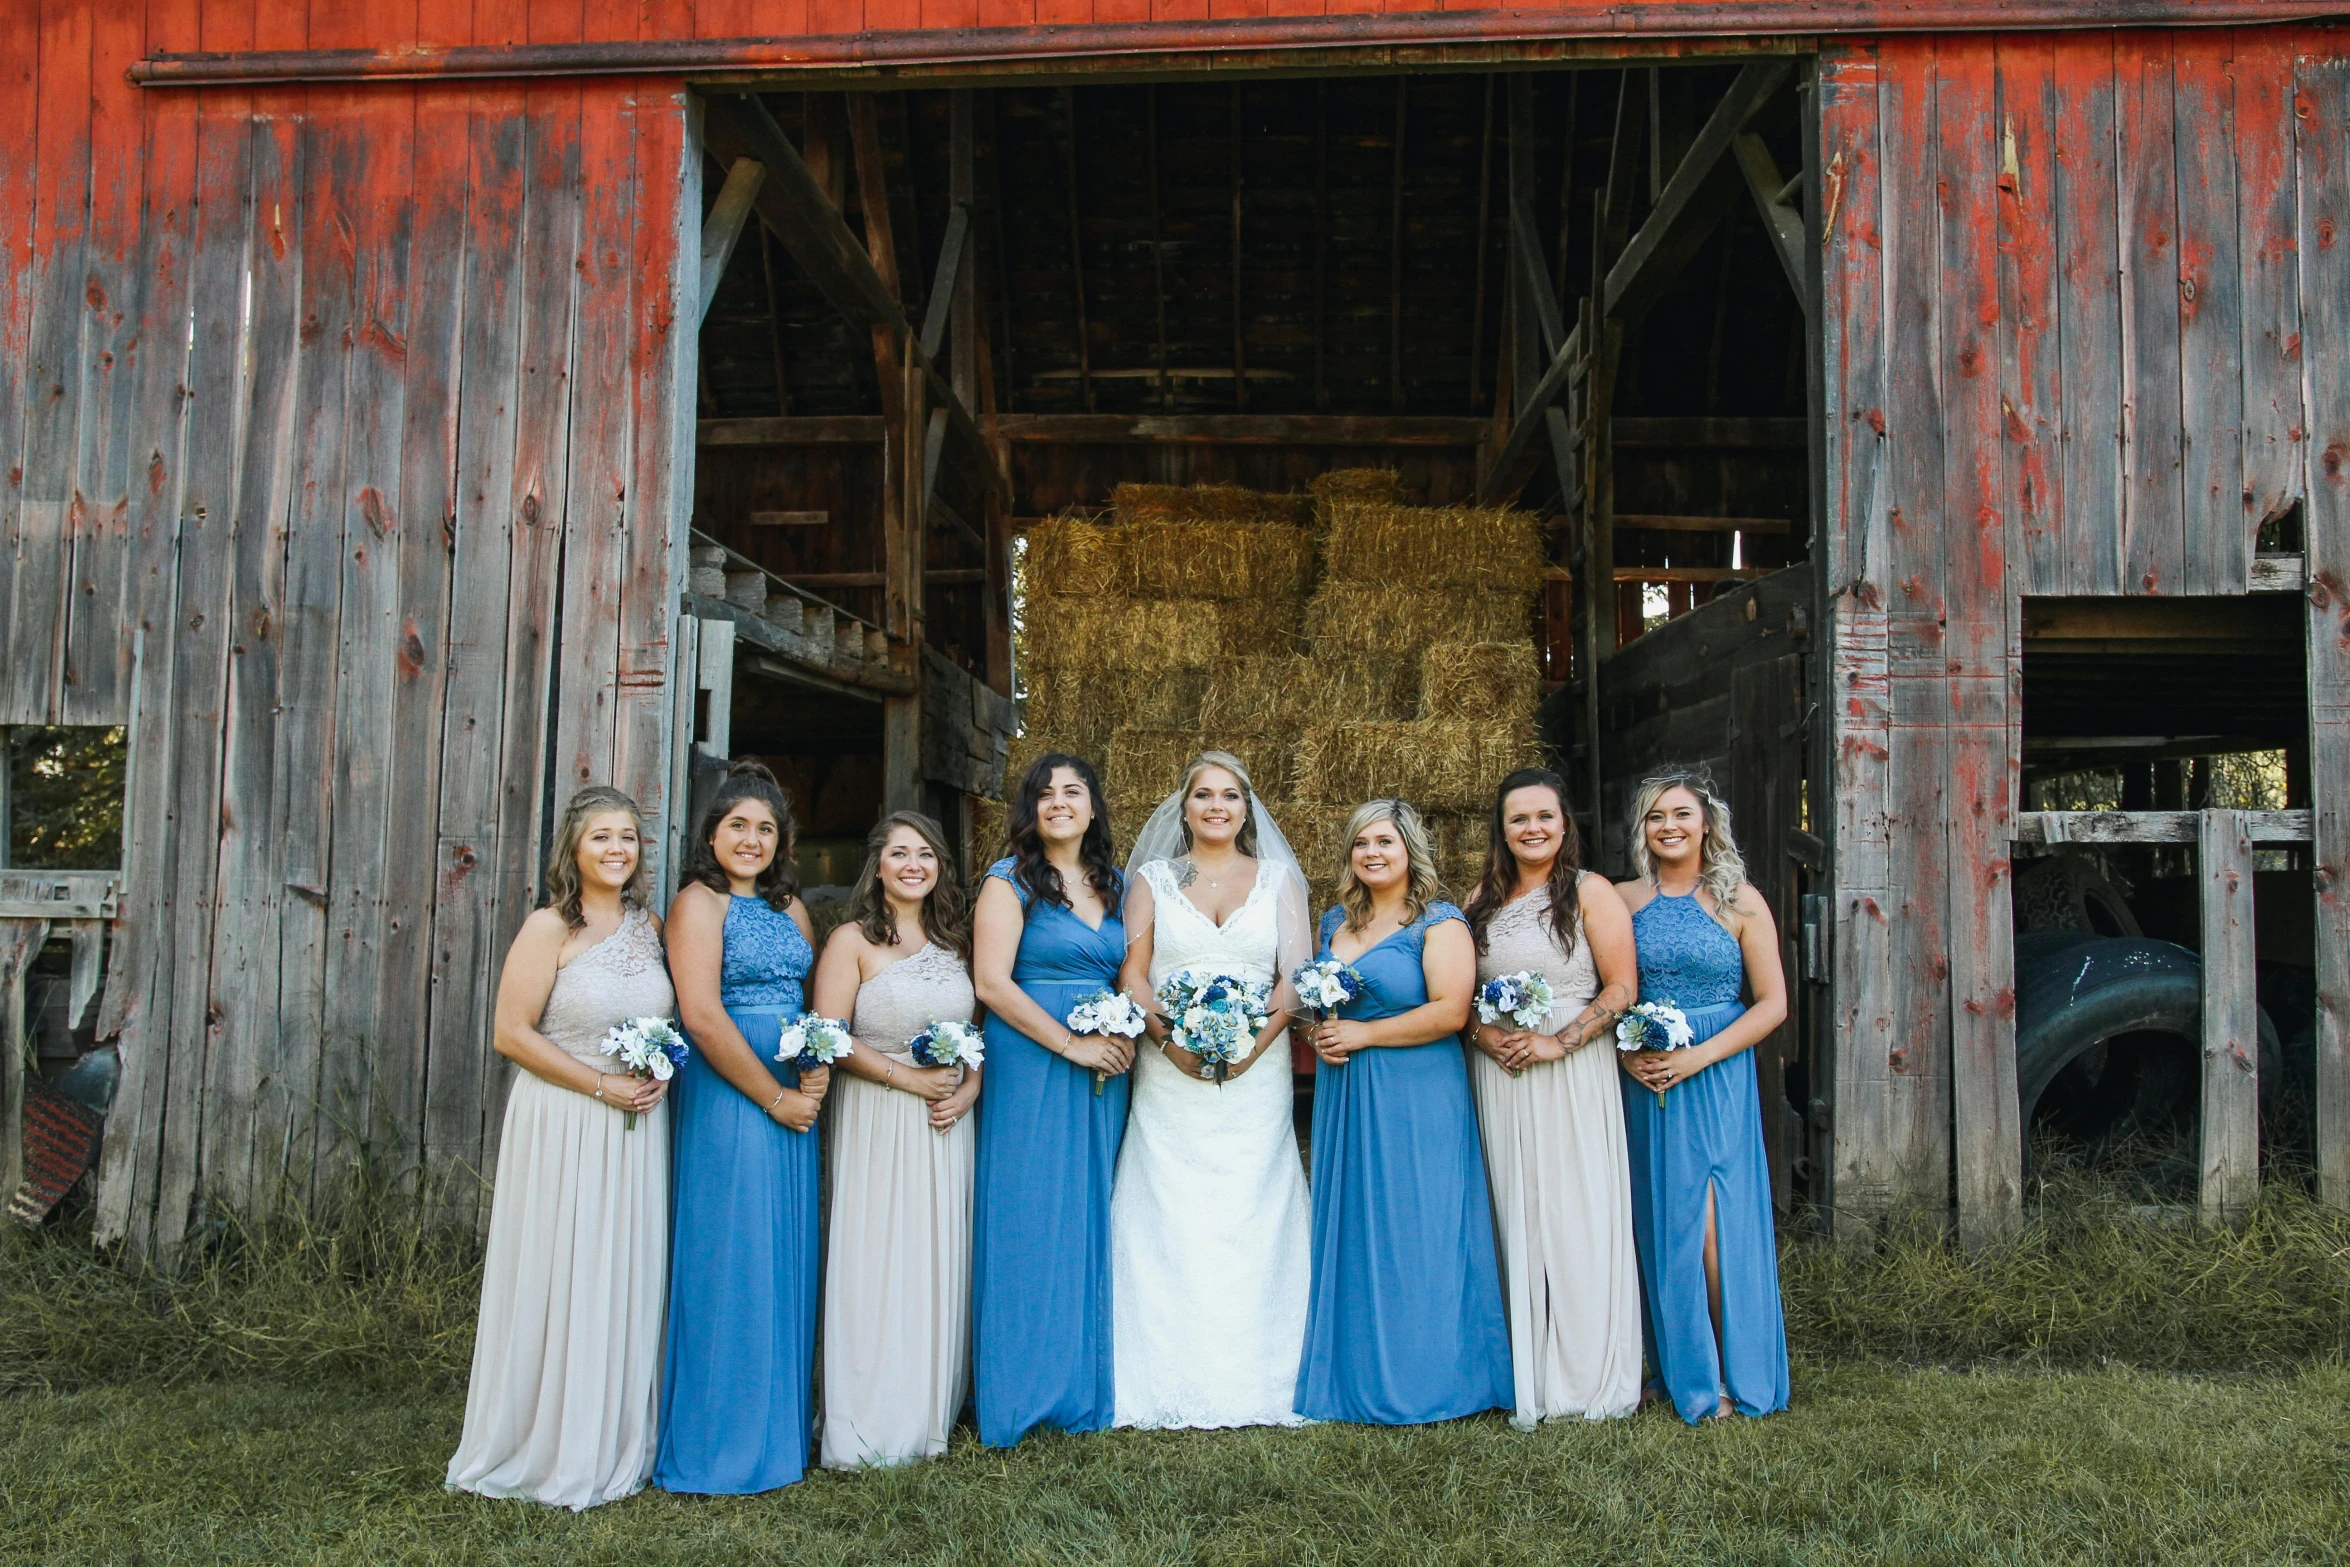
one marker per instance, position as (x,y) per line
(1058,948)
(766,958)
(1394,979)
(1686,957)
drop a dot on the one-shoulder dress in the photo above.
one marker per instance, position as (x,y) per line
(1562,1193)
(567,1360)
(897,1277)
(743,1273)
(1040,1237)
(1706,1133)
(1405,1323)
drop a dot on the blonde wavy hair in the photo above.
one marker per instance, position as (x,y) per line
(1421,886)
(563,879)
(1721,869)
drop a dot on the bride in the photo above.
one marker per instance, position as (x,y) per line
(1210,1233)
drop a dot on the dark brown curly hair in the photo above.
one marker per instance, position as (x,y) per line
(1032,870)
(1501,863)
(779,883)
(946,910)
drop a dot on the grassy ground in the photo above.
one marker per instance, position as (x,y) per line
(2106,1388)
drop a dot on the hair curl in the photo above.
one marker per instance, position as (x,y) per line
(779,883)
(946,908)
(1500,878)
(1246,843)
(1721,869)
(565,886)
(1421,886)
(1032,869)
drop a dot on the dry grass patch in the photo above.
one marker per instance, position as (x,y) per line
(1433,546)
(1491,681)
(1439,764)
(1281,695)
(1353,619)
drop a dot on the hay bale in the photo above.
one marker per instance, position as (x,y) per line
(1206,503)
(1282,695)
(1067,555)
(1088,703)
(1208,560)
(1145,765)
(1404,619)
(1383,485)
(1430,546)
(1439,764)
(1087,633)
(1484,680)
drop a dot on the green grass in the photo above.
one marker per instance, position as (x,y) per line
(2107,1387)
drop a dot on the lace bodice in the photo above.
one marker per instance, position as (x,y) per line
(1246,946)
(623,976)
(766,958)
(902,1000)
(1520,940)
(1686,957)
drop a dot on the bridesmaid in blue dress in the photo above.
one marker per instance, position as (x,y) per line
(1046,935)
(743,1265)
(1405,1321)
(1701,1190)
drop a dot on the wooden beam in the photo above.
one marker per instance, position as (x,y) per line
(1076,244)
(1138,429)
(951,575)
(1782,223)
(1679,220)
(775,323)
(1239,320)
(2101,827)
(1656,523)
(793,204)
(724,225)
(2230,1122)
(946,281)
(799,430)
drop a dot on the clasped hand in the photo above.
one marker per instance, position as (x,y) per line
(1337,1038)
(626,1091)
(1518,1049)
(797,1110)
(1105,1053)
(1661,1069)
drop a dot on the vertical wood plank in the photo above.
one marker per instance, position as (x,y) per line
(2088,312)
(2031,410)
(1854,538)
(2275,427)
(1918,690)
(20,97)
(2322,106)
(20,943)
(466,918)
(2153,526)
(2218,544)
(1978,592)
(2230,1123)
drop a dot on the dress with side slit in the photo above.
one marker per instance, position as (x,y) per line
(1705,1135)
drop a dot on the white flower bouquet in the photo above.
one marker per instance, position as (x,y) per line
(1655,1025)
(646,1047)
(1325,985)
(1214,1016)
(1522,998)
(809,1041)
(948,1044)
(1106,1012)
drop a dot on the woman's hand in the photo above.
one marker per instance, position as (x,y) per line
(944,1113)
(816,1082)
(796,1110)
(1105,1053)
(1184,1061)
(934,1083)
(1339,1038)
(1545,1047)
(625,1091)
(1659,1070)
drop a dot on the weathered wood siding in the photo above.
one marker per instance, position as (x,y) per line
(2082,317)
(345,442)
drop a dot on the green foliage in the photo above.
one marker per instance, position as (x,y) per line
(65,792)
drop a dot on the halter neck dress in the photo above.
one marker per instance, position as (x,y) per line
(1706,1133)
(743,1276)
(1040,1237)
(897,1275)
(1404,1321)
(566,1362)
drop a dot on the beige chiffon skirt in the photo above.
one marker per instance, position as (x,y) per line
(1562,1215)
(565,1394)
(897,1277)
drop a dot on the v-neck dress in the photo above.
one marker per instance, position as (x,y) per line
(1040,1235)
(1404,1324)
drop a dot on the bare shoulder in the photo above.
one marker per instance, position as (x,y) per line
(1597,892)
(797,908)
(1636,894)
(696,905)
(847,938)
(1747,903)
(545,928)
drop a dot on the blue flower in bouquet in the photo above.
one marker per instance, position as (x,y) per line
(1522,998)
(1214,1016)
(1655,1025)
(646,1047)
(1326,985)
(809,1041)
(948,1044)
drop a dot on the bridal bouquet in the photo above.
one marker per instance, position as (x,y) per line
(947,1044)
(1214,1016)
(1655,1025)
(1522,998)
(1326,985)
(646,1047)
(809,1041)
(1105,1012)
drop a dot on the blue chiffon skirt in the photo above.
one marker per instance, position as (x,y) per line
(1708,1132)
(1405,1320)
(735,1388)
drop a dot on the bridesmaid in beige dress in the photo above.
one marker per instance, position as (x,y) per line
(567,1358)
(1552,1115)
(897,1279)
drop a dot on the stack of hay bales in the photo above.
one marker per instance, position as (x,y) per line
(1193,619)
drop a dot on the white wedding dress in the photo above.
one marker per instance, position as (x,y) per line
(1210,1233)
